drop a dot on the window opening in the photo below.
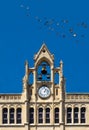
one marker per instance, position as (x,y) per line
(56,115)
(56,78)
(43,72)
(18,115)
(5,115)
(40,115)
(76,112)
(31,78)
(31,114)
(83,110)
(56,91)
(11,115)
(47,115)
(69,115)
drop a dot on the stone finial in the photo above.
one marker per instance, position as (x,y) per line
(26,67)
(26,62)
(26,71)
(25,78)
(61,67)
(44,43)
(61,62)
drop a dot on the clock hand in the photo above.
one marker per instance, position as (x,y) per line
(44,90)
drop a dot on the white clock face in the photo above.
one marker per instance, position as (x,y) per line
(44,92)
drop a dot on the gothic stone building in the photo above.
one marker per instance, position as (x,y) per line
(43,103)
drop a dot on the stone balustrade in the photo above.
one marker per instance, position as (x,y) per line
(77,96)
(10,97)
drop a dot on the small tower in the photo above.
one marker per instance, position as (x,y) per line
(46,95)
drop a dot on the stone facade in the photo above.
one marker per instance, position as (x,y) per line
(44,104)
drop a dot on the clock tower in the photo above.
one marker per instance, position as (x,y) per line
(44,93)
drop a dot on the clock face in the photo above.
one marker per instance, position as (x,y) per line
(44,92)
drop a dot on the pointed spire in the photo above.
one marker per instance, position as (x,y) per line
(61,67)
(42,50)
(43,44)
(26,64)
(26,68)
(61,63)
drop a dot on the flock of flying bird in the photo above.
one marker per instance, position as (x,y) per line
(62,28)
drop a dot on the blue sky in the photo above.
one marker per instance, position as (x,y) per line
(62,24)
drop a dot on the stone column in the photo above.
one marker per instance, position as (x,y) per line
(62,98)
(52,115)
(79,114)
(26,116)
(8,115)
(1,108)
(43,115)
(15,116)
(25,92)
(72,114)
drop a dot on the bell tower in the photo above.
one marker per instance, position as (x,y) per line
(45,96)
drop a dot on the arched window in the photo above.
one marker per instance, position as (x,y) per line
(18,115)
(11,115)
(76,112)
(43,71)
(4,115)
(69,115)
(47,115)
(40,115)
(83,110)
(31,115)
(56,115)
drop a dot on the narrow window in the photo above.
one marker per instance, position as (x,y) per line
(83,110)
(76,112)
(31,91)
(31,78)
(5,116)
(31,115)
(40,115)
(56,78)
(47,115)
(56,91)
(56,115)
(11,115)
(18,115)
(69,115)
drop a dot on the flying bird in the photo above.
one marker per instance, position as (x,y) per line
(61,27)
